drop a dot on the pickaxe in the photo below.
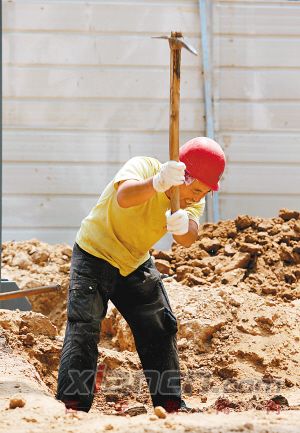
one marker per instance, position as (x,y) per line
(176,43)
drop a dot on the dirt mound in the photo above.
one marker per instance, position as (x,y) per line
(232,293)
(229,340)
(236,296)
(262,253)
(34,263)
(33,336)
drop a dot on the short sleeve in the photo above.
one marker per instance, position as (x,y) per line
(196,210)
(137,168)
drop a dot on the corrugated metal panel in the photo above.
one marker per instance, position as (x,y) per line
(52,48)
(98,115)
(102,16)
(89,82)
(52,210)
(84,146)
(260,205)
(257,104)
(85,89)
(257,18)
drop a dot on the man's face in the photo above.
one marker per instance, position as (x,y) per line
(190,194)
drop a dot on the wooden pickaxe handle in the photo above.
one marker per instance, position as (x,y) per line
(28,292)
(176,43)
(175,60)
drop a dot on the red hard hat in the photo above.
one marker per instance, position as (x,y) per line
(204,160)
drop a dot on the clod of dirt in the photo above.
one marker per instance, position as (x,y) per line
(287,214)
(21,261)
(16,401)
(160,412)
(163,266)
(223,404)
(243,222)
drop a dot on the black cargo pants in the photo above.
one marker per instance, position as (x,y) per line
(141,299)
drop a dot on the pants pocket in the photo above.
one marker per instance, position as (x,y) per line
(150,321)
(170,322)
(82,295)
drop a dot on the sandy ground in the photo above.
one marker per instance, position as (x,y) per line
(236,295)
(43,413)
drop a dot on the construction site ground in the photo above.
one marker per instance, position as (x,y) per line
(236,296)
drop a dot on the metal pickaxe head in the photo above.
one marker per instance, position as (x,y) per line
(177,41)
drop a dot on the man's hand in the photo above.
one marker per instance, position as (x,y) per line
(178,222)
(170,174)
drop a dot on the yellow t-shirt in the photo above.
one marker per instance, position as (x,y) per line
(123,236)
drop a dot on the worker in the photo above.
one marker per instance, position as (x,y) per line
(111,261)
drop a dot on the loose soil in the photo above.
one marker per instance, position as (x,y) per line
(236,295)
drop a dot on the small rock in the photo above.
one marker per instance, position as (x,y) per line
(160,412)
(65,268)
(163,266)
(163,255)
(250,248)
(203,399)
(229,250)
(210,245)
(287,214)
(239,260)
(265,226)
(29,419)
(196,280)
(135,410)
(288,383)
(286,254)
(268,378)
(112,397)
(243,222)
(21,260)
(297,226)
(67,251)
(233,277)
(182,343)
(40,257)
(182,271)
(153,418)
(28,339)
(108,427)
(16,401)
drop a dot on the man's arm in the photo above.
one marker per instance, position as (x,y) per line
(190,237)
(134,192)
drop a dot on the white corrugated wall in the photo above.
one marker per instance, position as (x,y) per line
(85,88)
(257,104)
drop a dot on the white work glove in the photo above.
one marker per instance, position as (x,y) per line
(178,222)
(170,174)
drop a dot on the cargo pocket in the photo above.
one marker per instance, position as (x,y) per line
(170,322)
(150,321)
(82,294)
